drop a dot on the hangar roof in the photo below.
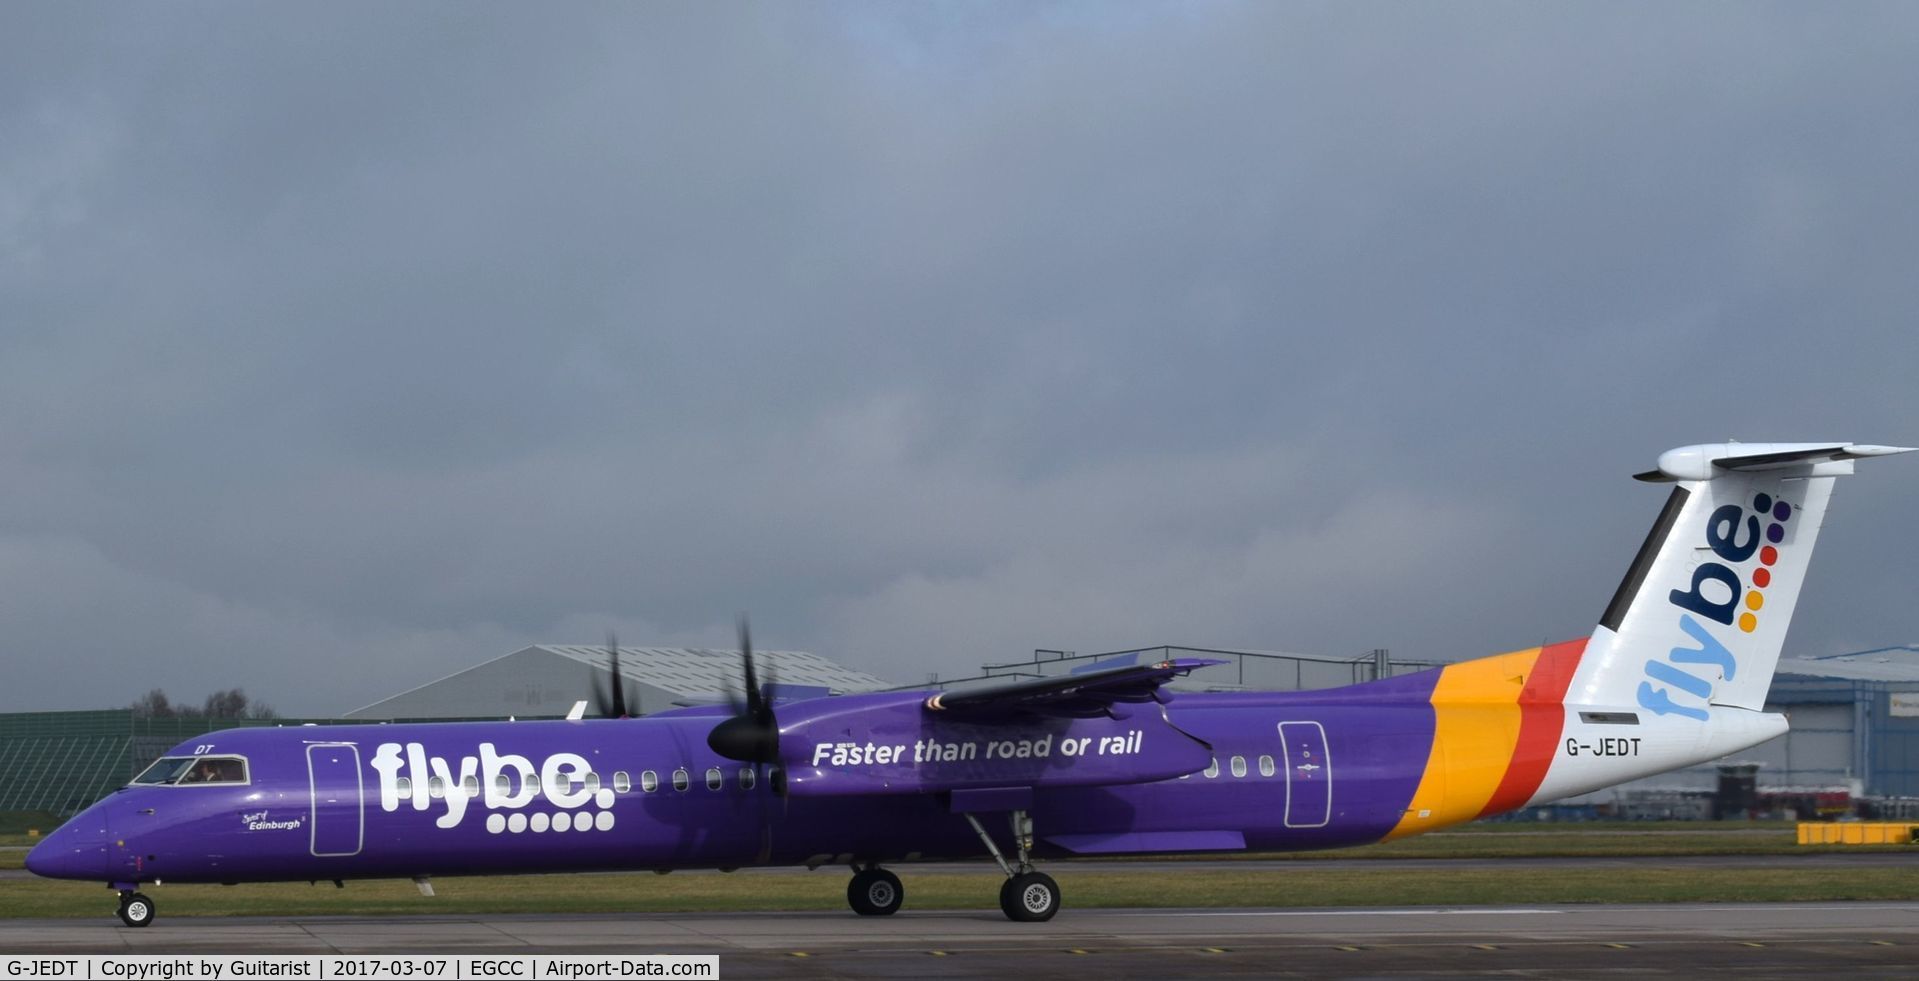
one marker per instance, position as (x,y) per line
(528,682)
(709,672)
(1899,663)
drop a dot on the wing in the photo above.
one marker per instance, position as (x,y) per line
(1073,696)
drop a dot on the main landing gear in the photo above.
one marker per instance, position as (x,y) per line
(874,891)
(1027,896)
(136,910)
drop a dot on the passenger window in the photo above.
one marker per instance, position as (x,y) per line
(503,785)
(403,788)
(563,783)
(621,782)
(746,778)
(1239,766)
(592,783)
(471,785)
(1265,766)
(682,780)
(435,787)
(1212,769)
(649,781)
(715,779)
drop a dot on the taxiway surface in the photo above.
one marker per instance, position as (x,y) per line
(1753,940)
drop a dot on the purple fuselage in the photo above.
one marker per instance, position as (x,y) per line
(867,779)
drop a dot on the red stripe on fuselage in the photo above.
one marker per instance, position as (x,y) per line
(1542,706)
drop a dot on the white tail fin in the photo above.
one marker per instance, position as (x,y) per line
(1702,613)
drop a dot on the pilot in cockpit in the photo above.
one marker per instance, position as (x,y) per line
(216,771)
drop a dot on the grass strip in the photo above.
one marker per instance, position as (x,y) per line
(1556,843)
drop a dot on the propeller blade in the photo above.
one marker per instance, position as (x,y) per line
(752,735)
(755,702)
(611,706)
(619,691)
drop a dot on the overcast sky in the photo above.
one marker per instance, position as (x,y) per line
(344,346)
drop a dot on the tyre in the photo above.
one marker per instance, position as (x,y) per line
(136,910)
(1030,897)
(875,892)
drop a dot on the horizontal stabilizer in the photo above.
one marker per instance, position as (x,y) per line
(1708,460)
(1076,695)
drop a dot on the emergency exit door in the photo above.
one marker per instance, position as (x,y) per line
(338,818)
(1309,774)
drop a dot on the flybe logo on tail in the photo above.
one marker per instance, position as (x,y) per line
(1720,595)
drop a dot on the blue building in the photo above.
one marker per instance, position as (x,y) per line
(1855,719)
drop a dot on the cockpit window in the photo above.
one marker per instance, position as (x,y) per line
(166,769)
(183,770)
(217,769)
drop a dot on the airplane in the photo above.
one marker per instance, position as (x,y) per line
(1107,762)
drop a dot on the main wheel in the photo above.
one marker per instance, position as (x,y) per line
(136,910)
(1030,897)
(875,892)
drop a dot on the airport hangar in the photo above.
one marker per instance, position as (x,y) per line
(1855,717)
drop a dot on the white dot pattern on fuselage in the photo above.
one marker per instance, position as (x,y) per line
(541,822)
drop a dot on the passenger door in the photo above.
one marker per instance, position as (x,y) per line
(1309,774)
(338,817)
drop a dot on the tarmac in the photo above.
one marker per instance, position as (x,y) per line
(1757,940)
(1679,940)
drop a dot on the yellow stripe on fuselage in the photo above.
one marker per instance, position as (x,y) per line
(1475,727)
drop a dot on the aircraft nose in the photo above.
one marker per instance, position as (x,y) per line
(75,850)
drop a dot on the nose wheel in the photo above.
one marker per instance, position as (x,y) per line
(136,910)
(874,892)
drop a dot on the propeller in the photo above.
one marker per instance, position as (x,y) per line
(613,706)
(751,735)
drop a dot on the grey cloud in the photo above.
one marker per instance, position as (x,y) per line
(929,334)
